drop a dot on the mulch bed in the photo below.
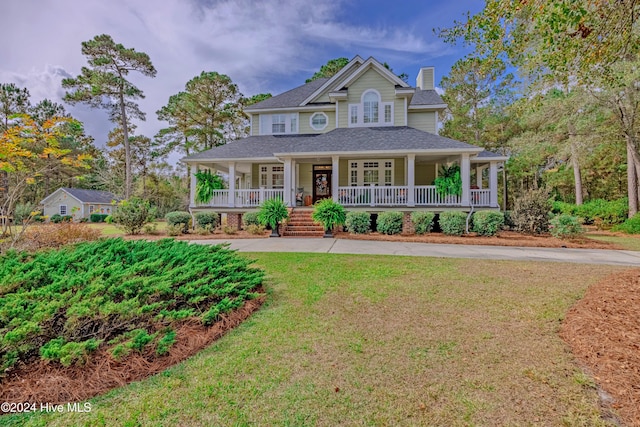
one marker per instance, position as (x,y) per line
(603,331)
(50,382)
(504,238)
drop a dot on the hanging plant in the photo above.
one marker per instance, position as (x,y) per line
(206,183)
(449,182)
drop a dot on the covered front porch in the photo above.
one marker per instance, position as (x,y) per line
(353,181)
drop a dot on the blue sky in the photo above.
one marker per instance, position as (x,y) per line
(264,46)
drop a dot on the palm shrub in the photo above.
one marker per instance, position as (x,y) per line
(206,184)
(390,222)
(565,226)
(358,222)
(329,213)
(530,212)
(453,223)
(131,215)
(487,223)
(272,212)
(207,220)
(422,221)
(179,218)
(250,218)
(449,182)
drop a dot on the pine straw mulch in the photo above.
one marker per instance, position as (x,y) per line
(504,238)
(603,330)
(41,381)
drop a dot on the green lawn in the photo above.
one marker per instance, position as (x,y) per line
(628,242)
(377,340)
(110,230)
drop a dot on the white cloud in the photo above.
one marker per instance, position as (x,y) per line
(260,45)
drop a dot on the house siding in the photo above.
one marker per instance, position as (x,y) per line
(425,174)
(425,121)
(305,172)
(371,79)
(305,125)
(52,206)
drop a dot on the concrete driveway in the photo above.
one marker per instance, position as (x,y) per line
(345,246)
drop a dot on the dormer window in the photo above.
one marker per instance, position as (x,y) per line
(278,124)
(371,111)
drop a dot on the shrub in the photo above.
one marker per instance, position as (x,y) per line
(227,229)
(56,235)
(630,226)
(508,222)
(109,219)
(453,223)
(250,218)
(530,212)
(22,212)
(558,207)
(255,229)
(422,221)
(207,220)
(487,223)
(39,218)
(56,218)
(151,228)
(181,218)
(98,217)
(602,213)
(358,222)
(120,296)
(131,215)
(329,213)
(272,212)
(174,229)
(67,218)
(390,222)
(565,226)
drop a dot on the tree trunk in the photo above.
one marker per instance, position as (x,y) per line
(632,182)
(127,149)
(577,174)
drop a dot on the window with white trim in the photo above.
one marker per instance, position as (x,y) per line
(272,176)
(63,210)
(371,111)
(91,209)
(318,121)
(371,172)
(278,124)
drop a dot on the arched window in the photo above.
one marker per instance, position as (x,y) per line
(370,102)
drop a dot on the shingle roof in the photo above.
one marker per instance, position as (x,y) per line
(91,196)
(490,154)
(366,140)
(426,97)
(291,98)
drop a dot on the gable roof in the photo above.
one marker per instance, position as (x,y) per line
(426,97)
(85,196)
(373,140)
(290,98)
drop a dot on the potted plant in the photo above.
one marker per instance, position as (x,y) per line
(272,212)
(329,213)
(448,183)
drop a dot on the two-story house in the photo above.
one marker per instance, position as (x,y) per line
(363,137)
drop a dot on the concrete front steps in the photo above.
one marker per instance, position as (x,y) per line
(300,224)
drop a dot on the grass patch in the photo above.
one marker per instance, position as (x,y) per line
(378,340)
(629,243)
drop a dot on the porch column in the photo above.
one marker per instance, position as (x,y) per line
(465,176)
(287,182)
(232,184)
(335,177)
(192,193)
(493,184)
(411,179)
(479,176)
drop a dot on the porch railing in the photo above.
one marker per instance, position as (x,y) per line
(481,197)
(373,196)
(243,198)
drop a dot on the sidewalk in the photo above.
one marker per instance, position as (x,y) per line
(345,246)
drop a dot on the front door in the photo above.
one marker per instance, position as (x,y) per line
(321,182)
